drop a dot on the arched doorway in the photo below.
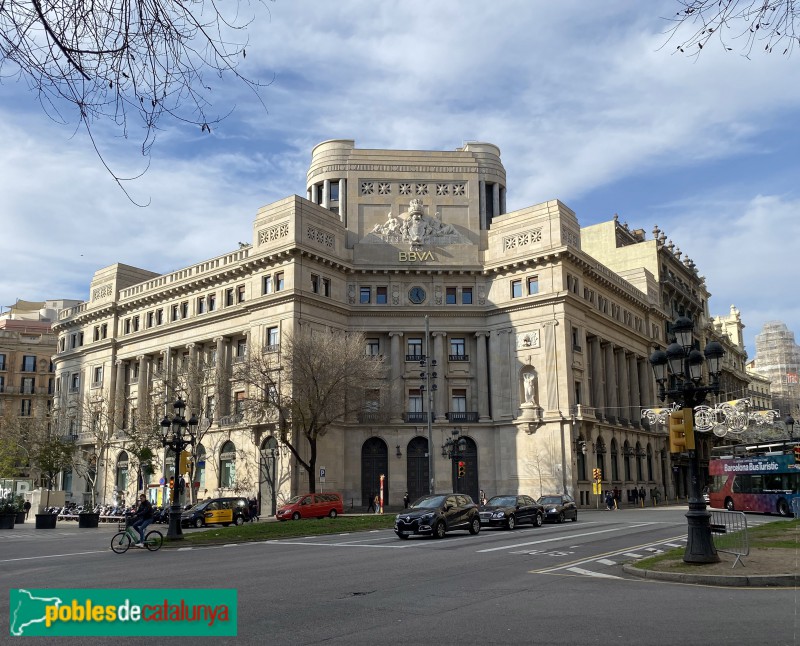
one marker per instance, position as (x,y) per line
(227,465)
(374,463)
(468,483)
(121,480)
(417,468)
(268,476)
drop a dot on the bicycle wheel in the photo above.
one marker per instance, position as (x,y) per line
(153,540)
(120,543)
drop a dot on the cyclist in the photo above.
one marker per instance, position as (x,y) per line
(142,518)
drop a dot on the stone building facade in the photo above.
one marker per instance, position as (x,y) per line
(541,333)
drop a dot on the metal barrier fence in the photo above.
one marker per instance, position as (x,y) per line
(729,531)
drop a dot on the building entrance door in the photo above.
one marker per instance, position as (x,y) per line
(417,468)
(374,463)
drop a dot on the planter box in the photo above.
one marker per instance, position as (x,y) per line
(46,521)
(88,521)
(7,521)
(20,517)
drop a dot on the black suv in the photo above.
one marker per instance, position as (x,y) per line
(438,514)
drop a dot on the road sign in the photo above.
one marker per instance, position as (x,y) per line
(322,474)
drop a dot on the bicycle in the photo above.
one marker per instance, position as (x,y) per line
(123,540)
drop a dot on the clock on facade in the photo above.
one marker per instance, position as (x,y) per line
(416,295)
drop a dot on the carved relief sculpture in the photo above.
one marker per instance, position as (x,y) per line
(415,228)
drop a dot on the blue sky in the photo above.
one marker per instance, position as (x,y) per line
(582,99)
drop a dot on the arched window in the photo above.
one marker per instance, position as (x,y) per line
(627,451)
(639,459)
(121,479)
(200,467)
(600,450)
(227,465)
(650,463)
(614,460)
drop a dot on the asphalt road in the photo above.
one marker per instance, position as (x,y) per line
(558,584)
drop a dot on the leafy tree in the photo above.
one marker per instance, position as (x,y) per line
(125,61)
(12,453)
(50,452)
(318,380)
(747,24)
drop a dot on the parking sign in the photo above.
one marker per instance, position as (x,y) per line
(322,474)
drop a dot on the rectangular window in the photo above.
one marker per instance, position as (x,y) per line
(382,295)
(176,313)
(2,383)
(229,297)
(414,349)
(576,339)
(458,401)
(159,316)
(450,296)
(185,310)
(74,382)
(241,348)
(533,285)
(273,338)
(27,385)
(136,323)
(201,305)
(373,347)
(62,343)
(151,317)
(279,283)
(127,327)
(240,294)
(212,302)
(326,287)
(267,286)
(25,409)
(96,335)
(2,362)
(28,363)
(315,283)
(415,401)
(466,295)
(97,376)
(372,400)
(334,191)
(365,295)
(239,403)
(516,288)
(458,347)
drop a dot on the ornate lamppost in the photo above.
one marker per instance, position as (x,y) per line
(678,372)
(789,423)
(177,442)
(453,448)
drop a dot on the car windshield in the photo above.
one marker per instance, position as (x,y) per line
(294,499)
(503,501)
(429,502)
(198,507)
(550,500)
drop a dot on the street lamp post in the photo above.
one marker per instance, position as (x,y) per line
(678,372)
(789,423)
(177,442)
(454,447)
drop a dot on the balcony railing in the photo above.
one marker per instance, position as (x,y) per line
(231,420)
(415,418)
(458,357)
(377,416)
(462,417)
(272,348)
(415,357)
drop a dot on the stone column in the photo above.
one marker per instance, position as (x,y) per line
(646,381)
(395,382)
(598,391)
(119,395)
(315,193)
(141,386)
(440,403)
(624,386)
(220,377)
(482,203)
(482,377)
(499,366)
(550,365)
(612,402)
(635,398)
(495,200)
(343,200)
(326,193)
(502,200)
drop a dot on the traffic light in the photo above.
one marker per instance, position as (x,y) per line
(681,431)
(597,475)
(462,469)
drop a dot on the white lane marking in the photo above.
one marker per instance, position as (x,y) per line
(606,562)
(557,538)
(673,544)
(51,556)
(581,571)
(633,555)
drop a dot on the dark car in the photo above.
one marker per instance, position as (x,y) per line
(223,511)
(559,507)
(435,515)
(511,510)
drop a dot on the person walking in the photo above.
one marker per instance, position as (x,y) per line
(377,503)
(252,508)
(642,495)
(26,508)
(406,501)
(609,501)
(371,506)
(634,497)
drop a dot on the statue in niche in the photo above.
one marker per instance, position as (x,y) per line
(529,387)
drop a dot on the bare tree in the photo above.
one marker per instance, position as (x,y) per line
(124,60)
(745,24)
(318,379)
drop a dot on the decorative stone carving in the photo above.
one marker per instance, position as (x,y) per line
(528,340)
(102,292)
(415,227)
(320,236)
(522,239)
(273,233)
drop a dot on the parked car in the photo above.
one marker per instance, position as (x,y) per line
(311,505)
(510,510)
(559,507)
(435,515)
(223,511)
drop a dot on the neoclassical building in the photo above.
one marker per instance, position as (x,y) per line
(541,345)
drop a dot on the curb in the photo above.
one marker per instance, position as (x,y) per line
(734,580)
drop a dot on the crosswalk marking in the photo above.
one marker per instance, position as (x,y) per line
(633,555)
(606,562)
(599,575)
